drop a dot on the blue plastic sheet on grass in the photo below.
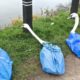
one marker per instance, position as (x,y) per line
(52,59)
(5,66)
(73,42)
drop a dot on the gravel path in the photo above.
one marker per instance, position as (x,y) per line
(72,71)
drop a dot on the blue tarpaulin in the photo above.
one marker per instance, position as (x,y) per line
(73,42)
(5,66)
(52,59)
(51,56)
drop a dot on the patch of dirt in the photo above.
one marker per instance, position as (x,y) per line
(72,64)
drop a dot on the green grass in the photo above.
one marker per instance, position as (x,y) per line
(24,49)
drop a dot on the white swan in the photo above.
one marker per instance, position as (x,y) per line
(26,26)
(75,15)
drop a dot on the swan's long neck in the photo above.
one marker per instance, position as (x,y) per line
(76,24)
(34,35)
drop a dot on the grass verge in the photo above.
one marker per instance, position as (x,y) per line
(24,49)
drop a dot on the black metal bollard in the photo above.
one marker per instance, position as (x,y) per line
(27,12)
(74,6)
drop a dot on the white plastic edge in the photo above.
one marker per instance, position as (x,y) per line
(76,16)
(26,26)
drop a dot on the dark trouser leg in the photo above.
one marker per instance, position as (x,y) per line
(74,6)
(27,12)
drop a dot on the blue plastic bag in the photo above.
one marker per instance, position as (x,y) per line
(73,42)
(5,66)
(52,60)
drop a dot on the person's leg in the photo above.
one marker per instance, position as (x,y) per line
(27,12)
(74,6)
